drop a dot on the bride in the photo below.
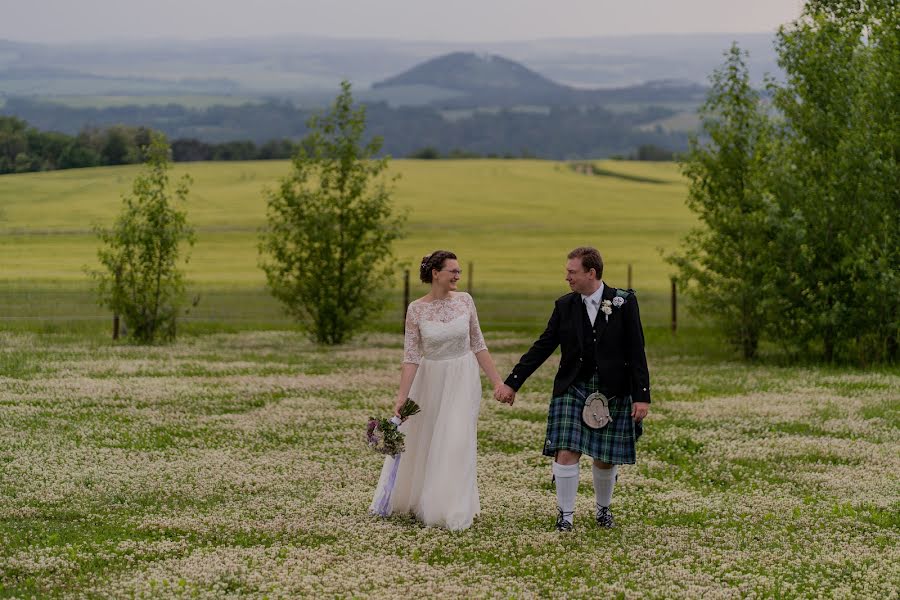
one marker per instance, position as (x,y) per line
(443,349)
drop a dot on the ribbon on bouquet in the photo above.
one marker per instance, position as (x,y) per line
(382,504)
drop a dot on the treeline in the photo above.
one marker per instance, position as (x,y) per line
(431,153)
(560,132)
(799,207)
(187,150)
(24,148)
(649,152)
(645,152)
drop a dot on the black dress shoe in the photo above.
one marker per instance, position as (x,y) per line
(605,518)
(561,523)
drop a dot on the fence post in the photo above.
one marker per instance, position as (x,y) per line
(674,306)
(629,276)
(116,315)
(405,298)
(471,277)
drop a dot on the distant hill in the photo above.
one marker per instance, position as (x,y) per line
(310,68)
(574,98)
(480,80)
(470,80)
(475,73)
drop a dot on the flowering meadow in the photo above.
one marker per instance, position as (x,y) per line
(235,465)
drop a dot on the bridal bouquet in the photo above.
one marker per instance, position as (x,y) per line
(383,436)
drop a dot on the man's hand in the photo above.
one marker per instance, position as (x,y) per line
(639,411)
(504,393)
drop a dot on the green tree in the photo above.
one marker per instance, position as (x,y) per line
(727,257)
(117,147)
(77,155)
(24,163)
(839,187)
(13,142)
(141,280)
(653,152)
(426,153)
(47,148)
(327,247)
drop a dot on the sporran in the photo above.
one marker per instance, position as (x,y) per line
(596,411)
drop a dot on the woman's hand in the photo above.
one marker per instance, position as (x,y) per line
(397,406)
(505,394)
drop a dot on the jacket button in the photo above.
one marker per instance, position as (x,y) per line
(580,359)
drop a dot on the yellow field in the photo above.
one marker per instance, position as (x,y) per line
(514,219)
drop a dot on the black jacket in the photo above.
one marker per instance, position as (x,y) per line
(621,362)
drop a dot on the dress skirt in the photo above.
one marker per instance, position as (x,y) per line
(437,476)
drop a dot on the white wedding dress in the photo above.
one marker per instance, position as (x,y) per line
(436,479)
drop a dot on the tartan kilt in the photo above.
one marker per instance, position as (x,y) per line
(612,444)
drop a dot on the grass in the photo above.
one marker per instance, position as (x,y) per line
(231,465)
(510,221)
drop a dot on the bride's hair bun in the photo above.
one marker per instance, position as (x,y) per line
(435,260)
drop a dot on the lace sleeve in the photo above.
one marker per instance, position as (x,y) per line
(412,340)
(476,339)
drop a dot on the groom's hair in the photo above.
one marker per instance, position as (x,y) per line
(435,260)
(590,259)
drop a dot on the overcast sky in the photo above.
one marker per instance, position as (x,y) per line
(446,20)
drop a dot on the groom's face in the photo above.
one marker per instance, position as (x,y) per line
(581,281)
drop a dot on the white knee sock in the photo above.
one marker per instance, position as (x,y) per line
(604,482)
(566,488)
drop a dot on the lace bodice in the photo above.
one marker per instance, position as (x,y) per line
(442,329)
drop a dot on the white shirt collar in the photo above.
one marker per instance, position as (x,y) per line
(596,296)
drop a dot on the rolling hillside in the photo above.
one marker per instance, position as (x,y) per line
(515,220)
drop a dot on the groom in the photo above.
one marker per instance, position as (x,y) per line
(599,329)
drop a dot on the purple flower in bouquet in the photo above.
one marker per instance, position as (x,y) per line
(372,437)
(383,435)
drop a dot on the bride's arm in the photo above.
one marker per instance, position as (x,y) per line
(487,365)
(412,355)
(479,347)
(407,374)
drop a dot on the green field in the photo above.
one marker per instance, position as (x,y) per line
(234,465)
(514,220)
(687,121)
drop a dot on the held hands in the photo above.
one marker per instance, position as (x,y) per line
(505,394)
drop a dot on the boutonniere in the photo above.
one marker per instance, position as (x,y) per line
(606,308)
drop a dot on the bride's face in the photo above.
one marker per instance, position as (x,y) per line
(448,276)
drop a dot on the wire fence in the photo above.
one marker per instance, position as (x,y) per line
(499,308)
